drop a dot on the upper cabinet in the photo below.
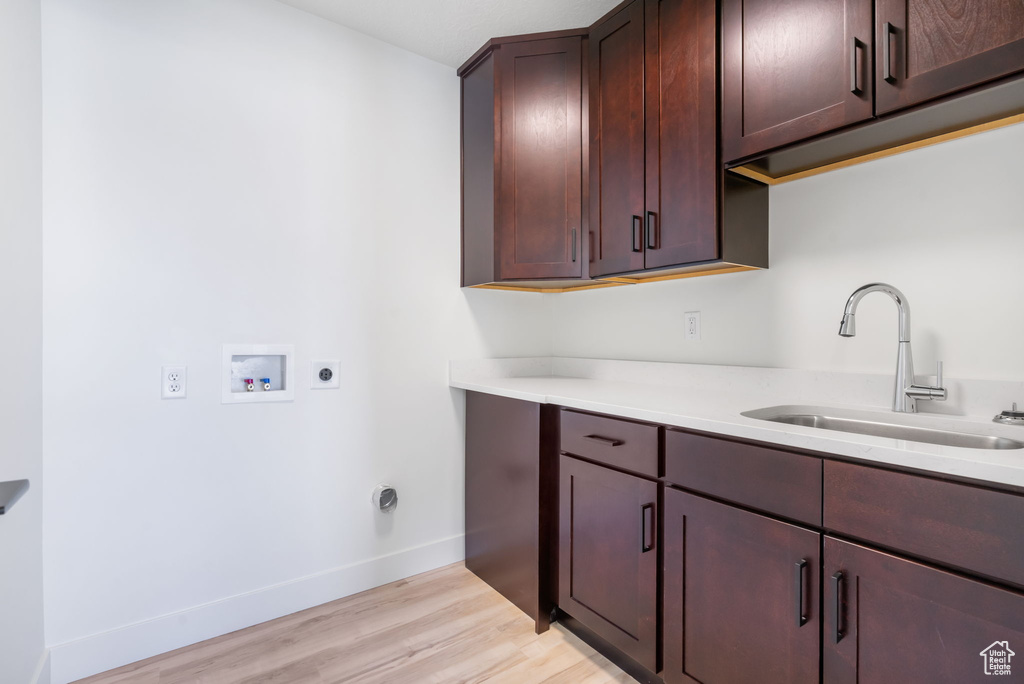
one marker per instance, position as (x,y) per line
(792,69)
(642,148)
(930,48)
(656,186)
(617,141)
(522,163)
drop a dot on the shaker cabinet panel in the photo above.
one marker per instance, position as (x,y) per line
(929,48)
(792,69)
(522,164)
(741,595)
(608,558)
(888,619)
(681,111)
(540,192)
(617,141)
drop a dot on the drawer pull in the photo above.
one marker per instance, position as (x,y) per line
(837,614)
(607,441)
(799,588)
(646,528)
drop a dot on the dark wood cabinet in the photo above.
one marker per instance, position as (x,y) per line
(929,48)
(974,529)
(888,619)
(792,69)
(655,178)
(689,577)
(617,141)
(510,500)
(608,557)
(522,163)
(741,595)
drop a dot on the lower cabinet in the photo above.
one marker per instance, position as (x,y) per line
(741,595)
(608,559)
(888,619)
(695,589)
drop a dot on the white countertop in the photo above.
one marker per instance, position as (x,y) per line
(712,399)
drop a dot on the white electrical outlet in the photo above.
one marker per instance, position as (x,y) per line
(691,320)
(325,374)
(173,382)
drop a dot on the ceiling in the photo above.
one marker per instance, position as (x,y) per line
(450,31)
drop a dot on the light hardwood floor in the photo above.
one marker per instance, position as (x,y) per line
(442,627)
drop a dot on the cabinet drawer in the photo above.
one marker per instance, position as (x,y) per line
(771,480)
(619,443)
(968,527)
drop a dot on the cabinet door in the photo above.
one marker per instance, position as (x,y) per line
(888,619)
(928,48)
(740,595)
(681,219)
(608,562)
(792,69)
(540,187)
(617,142)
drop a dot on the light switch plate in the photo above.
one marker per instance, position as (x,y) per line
(325,374)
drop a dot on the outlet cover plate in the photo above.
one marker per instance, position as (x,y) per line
(315,382)
(173,381)
(691,320)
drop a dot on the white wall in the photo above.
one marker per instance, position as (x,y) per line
(21,332)
(238,171)
(945,224)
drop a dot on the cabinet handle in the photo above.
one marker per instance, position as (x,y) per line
(798,586)
(652,230)
(607,441)
(574,245)
(887,31)
(854,67)
(646,529)
(638,237)
(837,615)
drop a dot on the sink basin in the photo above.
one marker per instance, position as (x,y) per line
(867,423)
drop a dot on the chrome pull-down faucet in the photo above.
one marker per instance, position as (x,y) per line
(905,392)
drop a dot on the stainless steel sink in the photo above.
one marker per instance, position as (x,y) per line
(866,423)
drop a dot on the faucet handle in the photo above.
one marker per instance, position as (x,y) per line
(938,374)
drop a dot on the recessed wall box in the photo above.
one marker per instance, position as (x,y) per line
(271,364)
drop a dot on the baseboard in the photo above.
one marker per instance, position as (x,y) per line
(42,673)
(91,655)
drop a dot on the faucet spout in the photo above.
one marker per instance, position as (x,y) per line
(848,326)
(905,391)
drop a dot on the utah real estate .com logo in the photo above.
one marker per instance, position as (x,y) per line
(997,658)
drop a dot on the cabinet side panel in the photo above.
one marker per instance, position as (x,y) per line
(744,221)
(478,128)
(503,496)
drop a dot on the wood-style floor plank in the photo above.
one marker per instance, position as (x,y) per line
(442,627)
